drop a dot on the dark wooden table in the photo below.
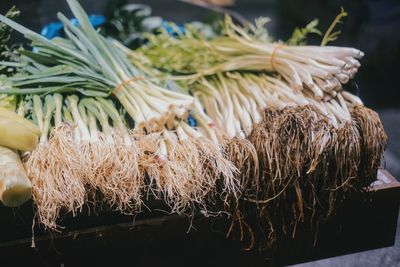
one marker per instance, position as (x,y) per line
(158,239)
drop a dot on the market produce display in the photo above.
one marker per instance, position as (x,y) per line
(312,138)
(223,122)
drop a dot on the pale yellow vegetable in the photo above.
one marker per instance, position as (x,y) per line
(15,187)
(17,132)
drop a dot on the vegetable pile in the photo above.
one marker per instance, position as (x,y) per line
(229,122)
(312,138)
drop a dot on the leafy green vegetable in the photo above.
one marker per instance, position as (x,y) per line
(299,35)
(7,101)
(332,36)
(6,30)
(258,30)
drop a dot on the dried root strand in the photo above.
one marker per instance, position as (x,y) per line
(308,166)
(244,156)
(217,169)
(112,169)
(57,182)
(167,179)
(373,142)
(194,186)
(186,170)
(129,179)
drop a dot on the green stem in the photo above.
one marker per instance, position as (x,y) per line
(58,100)
(38,111)
(49,104)
(72,102)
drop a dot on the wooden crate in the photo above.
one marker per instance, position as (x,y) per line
(159,239)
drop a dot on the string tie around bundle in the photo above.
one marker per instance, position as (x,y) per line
(120,86)
(272,57)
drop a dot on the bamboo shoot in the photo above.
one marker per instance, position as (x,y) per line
(15,187)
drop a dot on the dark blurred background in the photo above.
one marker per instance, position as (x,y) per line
(372,26)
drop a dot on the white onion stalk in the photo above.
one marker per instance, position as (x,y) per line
(236,99)
(15,187)
(184,167)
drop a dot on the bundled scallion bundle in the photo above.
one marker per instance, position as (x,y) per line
(87,145)
(322,69)
(86,62)
(315,142)
(86,153)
